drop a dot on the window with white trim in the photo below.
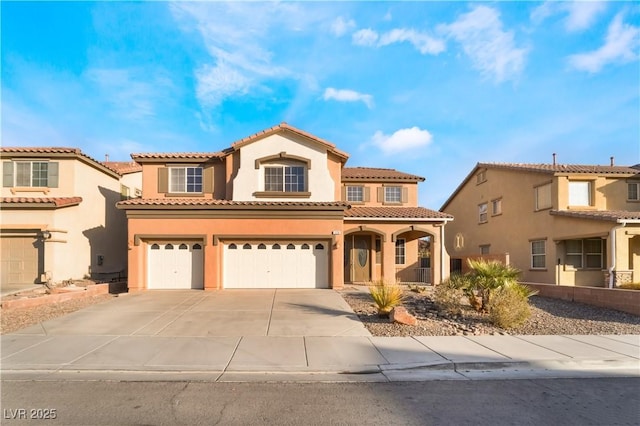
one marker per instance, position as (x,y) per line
(400,251)
(392,194)
(355,193)
(482,212)
(633,191)
(543,196)
(580,193)
(538,254)
(282,178)
(185,179)
(32,173)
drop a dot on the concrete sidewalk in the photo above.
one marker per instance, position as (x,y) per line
(316,358)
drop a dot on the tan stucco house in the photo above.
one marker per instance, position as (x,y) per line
(576,225)
(277,209)
(58,217)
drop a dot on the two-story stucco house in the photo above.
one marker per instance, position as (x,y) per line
(59,218)
(560,224)
(277,209)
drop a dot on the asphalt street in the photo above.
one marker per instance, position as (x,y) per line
(602,401)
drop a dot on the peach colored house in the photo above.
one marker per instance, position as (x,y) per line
(59,218)
(576,225)
(277,209)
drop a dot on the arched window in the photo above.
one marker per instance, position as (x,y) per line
(183,247)
(197,246)
(232,246)
(247,246)
(305,246)
(155,247)
(276,246)
(168,247)
(319,247)
(262,247)
(291,247)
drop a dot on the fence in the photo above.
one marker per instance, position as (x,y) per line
(414,275)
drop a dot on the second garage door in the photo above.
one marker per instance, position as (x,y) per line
(276,264)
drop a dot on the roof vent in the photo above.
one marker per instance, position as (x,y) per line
(106,157)
(612,161)
(554,158)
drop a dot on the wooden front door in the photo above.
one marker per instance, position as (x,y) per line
(360,258)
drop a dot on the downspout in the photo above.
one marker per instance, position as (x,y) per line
(442,252)
(612,239)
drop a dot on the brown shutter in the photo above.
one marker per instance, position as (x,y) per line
(207,187)
(163,180)
(367,194)
(380,194)
(344,193)
(7,174)
(405,194)
(52,177)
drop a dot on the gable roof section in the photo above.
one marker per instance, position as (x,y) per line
(56,152)
(123,167)
(39,202)
(360,174)
(396,213)
(284,128)
(550,169)
(618,216)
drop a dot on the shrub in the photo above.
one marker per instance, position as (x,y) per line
(486,277)
(630,286)
(386,296)
(509,306)
(447,296)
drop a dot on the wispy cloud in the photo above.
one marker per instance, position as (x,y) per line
(620,46)
(341,26)
(402,140)
(491,49)
(423,42)
(581,15)
(346,95)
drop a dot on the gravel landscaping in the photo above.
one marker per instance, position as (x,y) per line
(548,316)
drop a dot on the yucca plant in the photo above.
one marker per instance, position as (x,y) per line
(487,276)
(386,296)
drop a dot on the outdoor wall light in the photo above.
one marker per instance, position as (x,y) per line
(46,235)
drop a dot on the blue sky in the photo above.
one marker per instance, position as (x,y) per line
(429,88)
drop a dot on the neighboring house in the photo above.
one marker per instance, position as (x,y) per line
(59,218)
(274,210)
(130,177)
(561,224)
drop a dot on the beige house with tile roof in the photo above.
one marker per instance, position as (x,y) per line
(278,209)
(58,217)
(575,225)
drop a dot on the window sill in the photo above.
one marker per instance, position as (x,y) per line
(394,203)
(542,209)
(185,194)
(42,189)
(355,203)
(278,194)
(538,269)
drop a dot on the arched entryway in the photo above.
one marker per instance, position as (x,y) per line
(414,255)
(363,255)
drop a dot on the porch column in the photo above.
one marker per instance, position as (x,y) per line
(389,260)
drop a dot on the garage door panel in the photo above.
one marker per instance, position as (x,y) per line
(22,260)
(276,264)
(178,265)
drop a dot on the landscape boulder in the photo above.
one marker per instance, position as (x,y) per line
(400,315)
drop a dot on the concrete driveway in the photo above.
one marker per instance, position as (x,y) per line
(227,313)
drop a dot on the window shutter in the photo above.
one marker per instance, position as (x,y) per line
(7,174)
(405,195)
(52,178)
(344,193)
(163,180)
(380,194)
(208,180)
(367,194)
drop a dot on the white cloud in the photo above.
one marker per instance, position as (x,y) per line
(365,37)
(402,140)
(580,14)
(215,83)
(424,43)
(346,95)
(341,26)
(621,45)
(491,49)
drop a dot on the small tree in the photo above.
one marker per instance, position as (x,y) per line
(485,277)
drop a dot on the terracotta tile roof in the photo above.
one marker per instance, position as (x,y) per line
(370,173)
(51,201)
(45,151)
(201,202)
(606,215)
(123,167)
(563,168)
(286,127)
(177,155)
(395,213)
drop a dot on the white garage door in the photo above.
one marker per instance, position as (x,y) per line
(175,265)
(276,264)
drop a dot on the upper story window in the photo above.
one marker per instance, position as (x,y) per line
(35,174)
(543,196)
(496,207)
(580,193)
(633,191)
(392,194)
(185,179)
(482,213)
(284,179)
(355,193)
(481,177)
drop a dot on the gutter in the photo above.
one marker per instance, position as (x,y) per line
(612,238)
(398,219)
